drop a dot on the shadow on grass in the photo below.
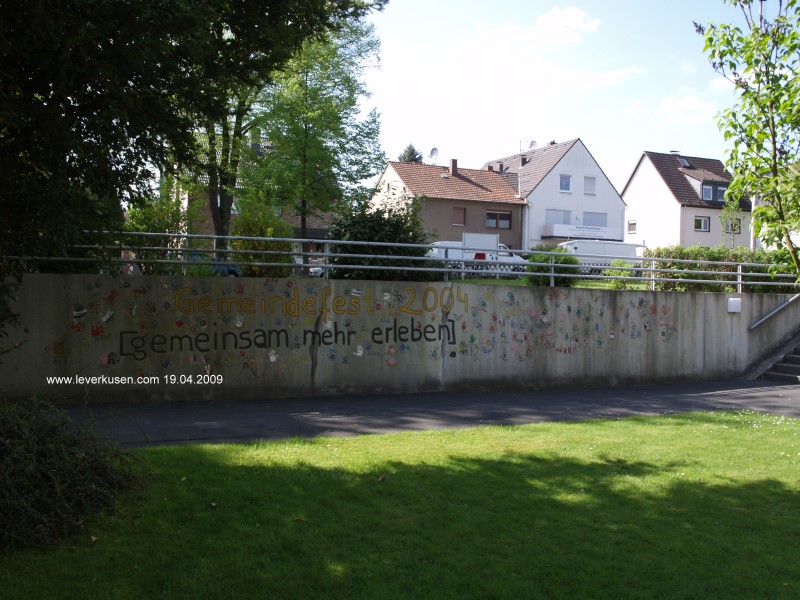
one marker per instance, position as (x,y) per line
(521,525)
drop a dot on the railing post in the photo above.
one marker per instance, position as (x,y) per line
(653,275)
(739,279)
(552,271)
(185,255)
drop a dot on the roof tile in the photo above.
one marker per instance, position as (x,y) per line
(467,184)
(675,176)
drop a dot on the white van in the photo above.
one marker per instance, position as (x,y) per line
(596,255)
(454,255)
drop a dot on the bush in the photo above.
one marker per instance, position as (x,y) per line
(394,225)
(263,223)
(668,258)
(563,262)
(54,475)
(623,269)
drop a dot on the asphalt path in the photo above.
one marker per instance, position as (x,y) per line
(136,425)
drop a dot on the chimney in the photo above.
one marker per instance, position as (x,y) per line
(453,167)
(500,167)
(490,168)
(525,160)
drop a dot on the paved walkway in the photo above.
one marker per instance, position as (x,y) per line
(184,422)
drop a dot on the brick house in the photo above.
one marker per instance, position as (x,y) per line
(456,200)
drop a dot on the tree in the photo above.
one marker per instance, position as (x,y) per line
(410,155)
(762,60)
(96,96)
(320,149)
(224,145)
(730,220)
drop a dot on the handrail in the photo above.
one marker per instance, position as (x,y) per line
(740,276)
(773,312)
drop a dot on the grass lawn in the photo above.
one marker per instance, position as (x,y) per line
(702,505)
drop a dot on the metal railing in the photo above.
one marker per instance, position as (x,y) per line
(136,252)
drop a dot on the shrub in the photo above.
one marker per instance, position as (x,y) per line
(623,269)
(263,224)
(563,262)
(390,224)
(674,259)
(54,475)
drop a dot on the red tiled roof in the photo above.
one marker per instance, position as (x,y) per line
(467,184)
(675,176)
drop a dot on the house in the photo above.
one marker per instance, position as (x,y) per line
(566,192)
(678,200)
(457,200)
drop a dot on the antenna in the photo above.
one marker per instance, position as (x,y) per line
(434,153)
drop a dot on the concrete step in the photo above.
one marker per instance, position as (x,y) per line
(784,367)
(793,358)
(778,376)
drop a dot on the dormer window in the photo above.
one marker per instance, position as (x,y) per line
(714,191)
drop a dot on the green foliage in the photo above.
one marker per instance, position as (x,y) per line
(410,155)
(730,220)
(620,268)
(54,476)
(97,96)
(106,91)
(163,214)
(263,223)
(390,224)
(563,262)
(763,127)
(669,257)
(320,148)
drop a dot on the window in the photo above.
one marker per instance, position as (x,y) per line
(595,219)
(733,226)
(459,216)
(702,223)
(565,183)
(498,220)
(557,217)
(589,185)
(631,226)
(713,191)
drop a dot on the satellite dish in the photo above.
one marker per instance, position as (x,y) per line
(532,145)
(433,154)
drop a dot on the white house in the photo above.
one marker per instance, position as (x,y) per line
(567,194)
(678,200)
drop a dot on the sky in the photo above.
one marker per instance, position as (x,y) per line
(483,79)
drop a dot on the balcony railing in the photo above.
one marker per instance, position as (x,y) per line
(613,234)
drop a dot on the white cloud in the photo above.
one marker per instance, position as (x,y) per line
(561,27)
(686,108)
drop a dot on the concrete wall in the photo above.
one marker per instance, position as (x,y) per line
(227,337)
